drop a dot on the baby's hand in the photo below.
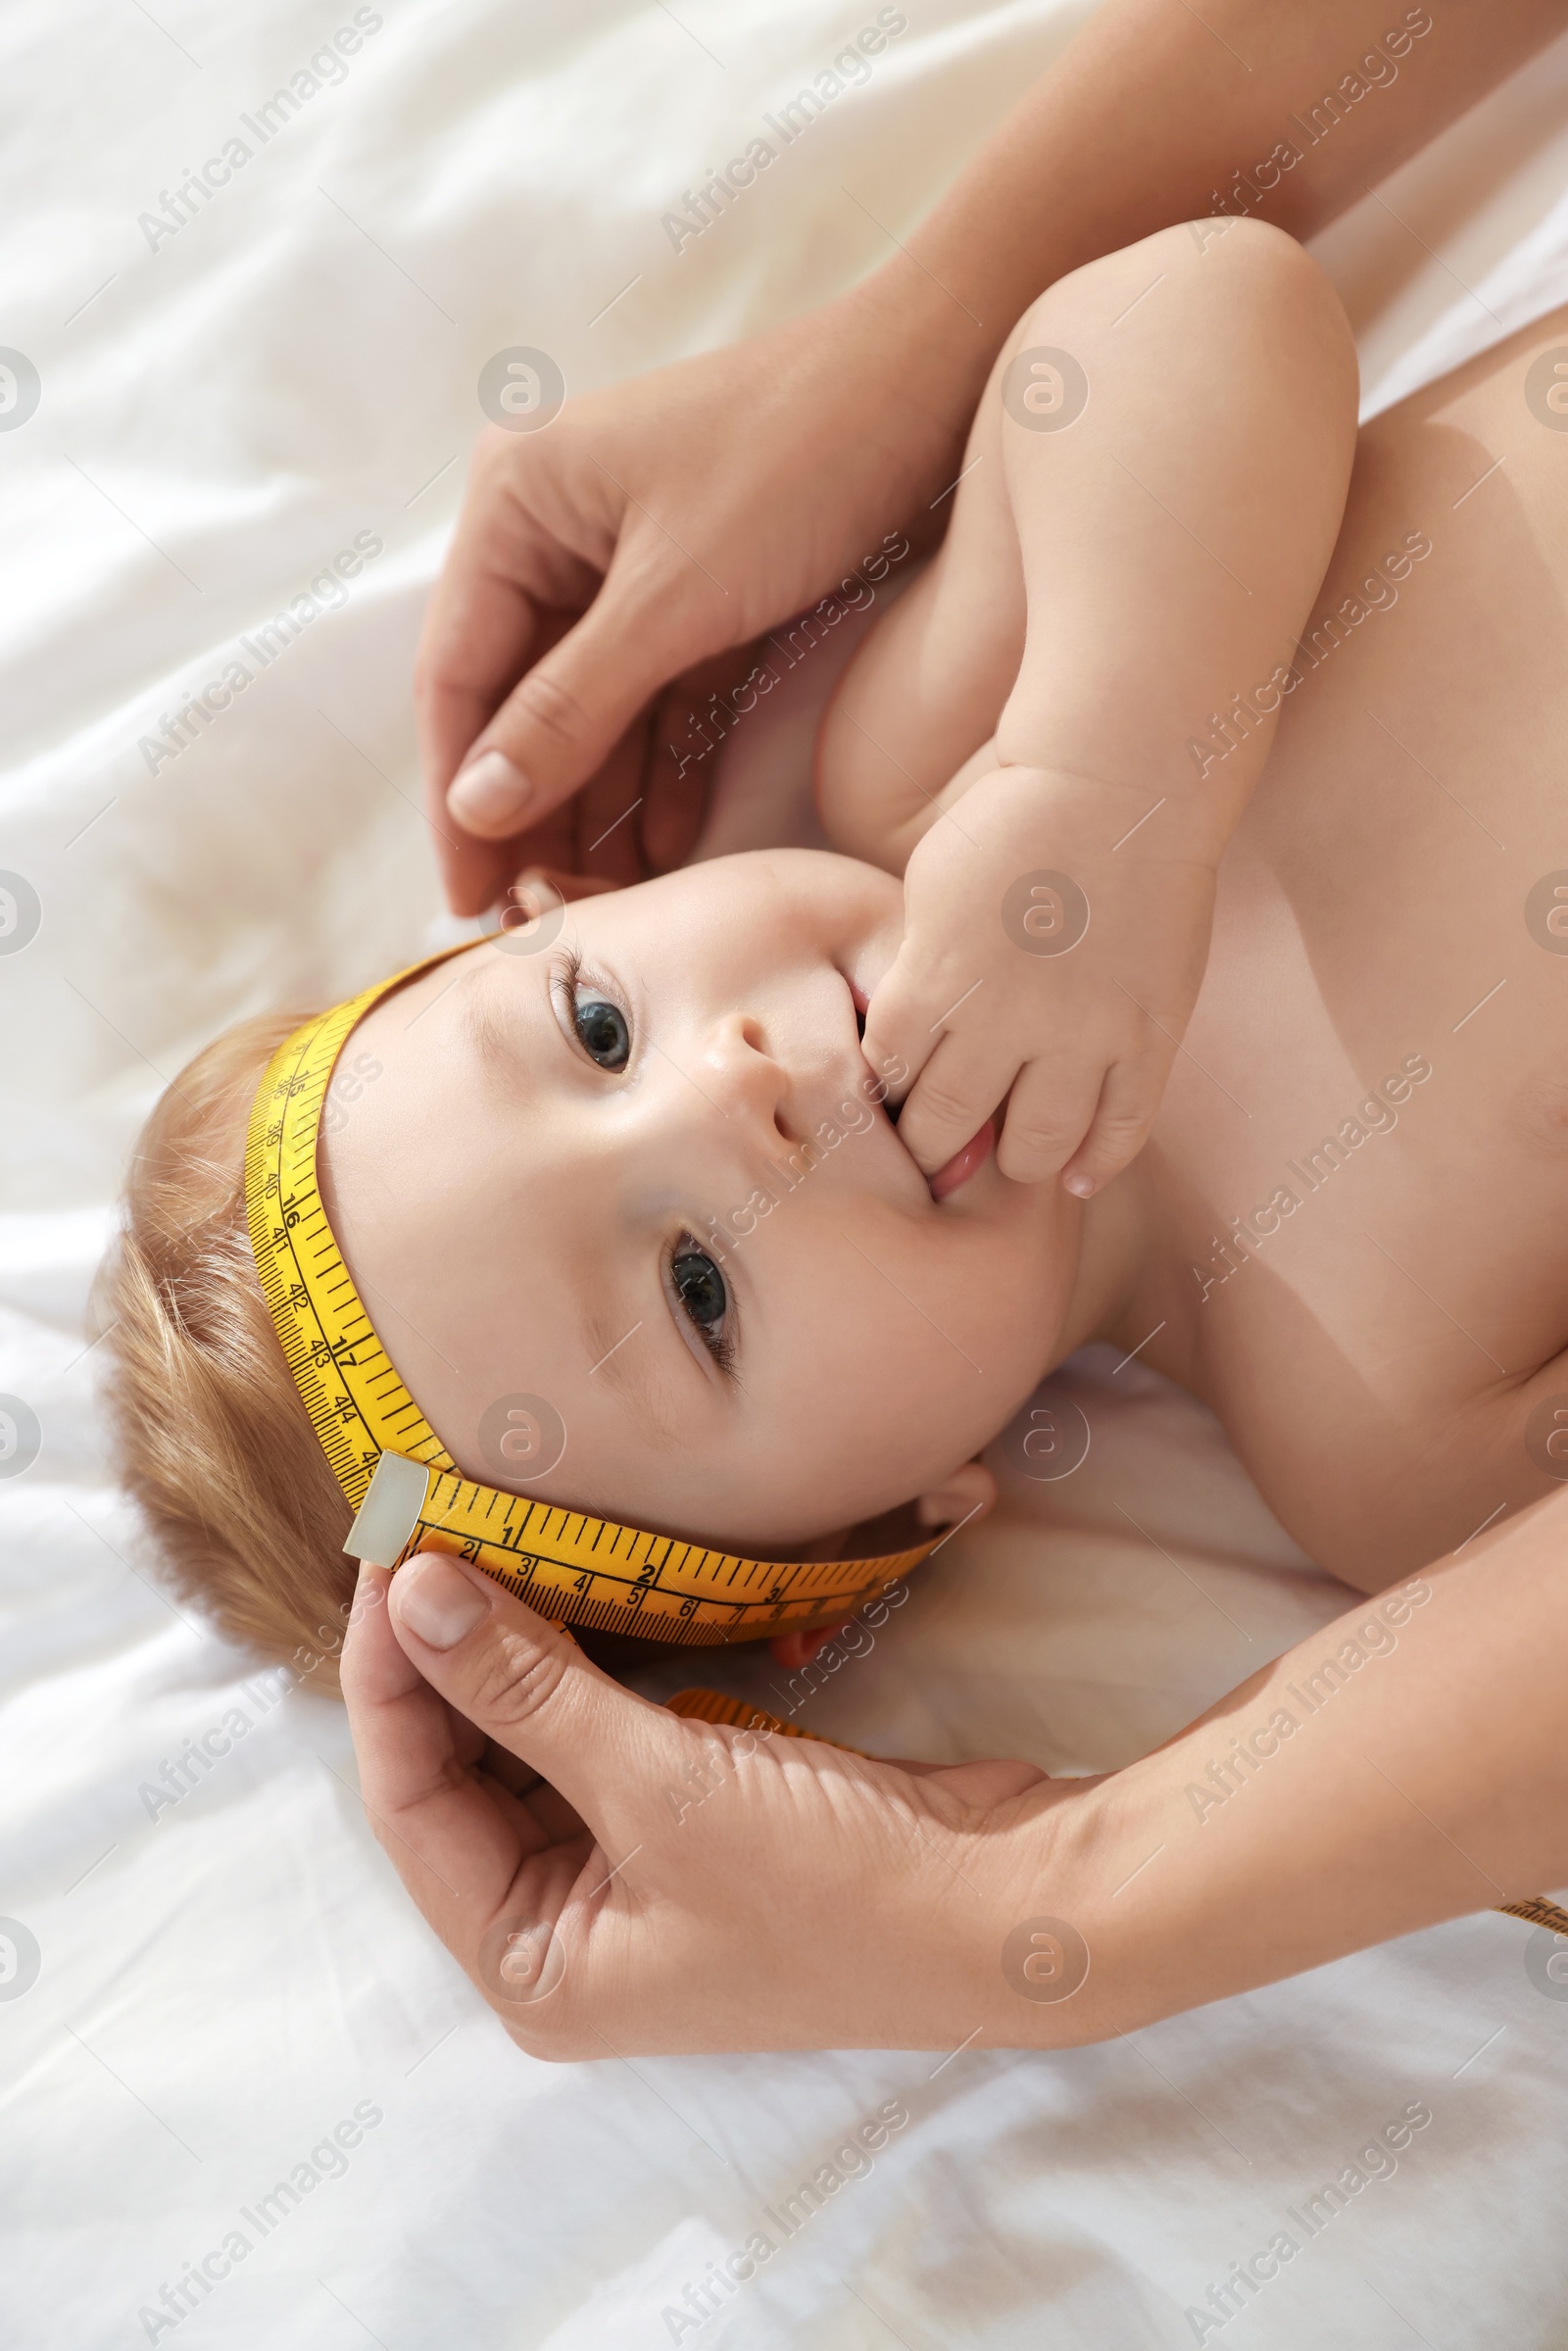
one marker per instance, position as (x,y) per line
(1153,489)
(1055,935)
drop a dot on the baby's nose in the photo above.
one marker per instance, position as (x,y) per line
(748,1081)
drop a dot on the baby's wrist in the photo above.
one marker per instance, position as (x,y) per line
(1102,816)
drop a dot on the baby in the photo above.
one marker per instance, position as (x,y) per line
(641,1162)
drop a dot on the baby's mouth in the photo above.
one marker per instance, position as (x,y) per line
(964,1164)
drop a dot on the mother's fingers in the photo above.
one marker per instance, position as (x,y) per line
(991,1780)
(480,632)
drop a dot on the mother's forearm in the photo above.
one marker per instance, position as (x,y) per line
(1157,113)
(1405,1764)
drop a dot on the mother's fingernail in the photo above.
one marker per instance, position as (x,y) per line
(490,793)
(436,1600)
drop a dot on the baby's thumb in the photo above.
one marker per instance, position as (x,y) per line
(525,1683)
(562,720)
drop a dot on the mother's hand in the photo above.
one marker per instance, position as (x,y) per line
(648,528)
(669,1885)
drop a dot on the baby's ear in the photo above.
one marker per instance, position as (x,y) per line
(968,1492)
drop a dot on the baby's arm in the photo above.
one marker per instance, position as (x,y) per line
(1153,489)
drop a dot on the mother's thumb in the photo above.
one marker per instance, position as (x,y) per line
(519,1678)
(565,716)
(438,1603)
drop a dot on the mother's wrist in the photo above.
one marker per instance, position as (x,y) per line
(1052,1970)
(930,358)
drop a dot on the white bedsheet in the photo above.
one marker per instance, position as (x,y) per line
(222,410)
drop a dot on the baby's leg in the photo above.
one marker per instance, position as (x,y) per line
(1150,495)
(1429,706)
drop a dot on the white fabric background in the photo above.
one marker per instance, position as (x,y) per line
(219,1987)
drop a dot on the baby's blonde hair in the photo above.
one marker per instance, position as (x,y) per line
(212,1439)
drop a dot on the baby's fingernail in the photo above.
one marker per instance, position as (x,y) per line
(1082,1185)
(436,1600)
(492,793)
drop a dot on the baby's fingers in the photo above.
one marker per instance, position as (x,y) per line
(953,1095)
(1049,1115)
(959,1068)
(898,1039)
(1129,1101)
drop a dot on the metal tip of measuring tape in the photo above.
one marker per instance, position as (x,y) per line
(389,1512)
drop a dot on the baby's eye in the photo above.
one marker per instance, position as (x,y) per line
(602,1031)
(700,1287)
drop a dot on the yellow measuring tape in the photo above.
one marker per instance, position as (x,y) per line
(409,1494)
(406,1492)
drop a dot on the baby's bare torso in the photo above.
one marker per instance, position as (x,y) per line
(1379,1058)
(1354,1197)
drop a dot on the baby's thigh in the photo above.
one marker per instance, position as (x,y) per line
(1445,603)
(1495,460)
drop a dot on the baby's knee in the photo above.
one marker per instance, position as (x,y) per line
(1253,264)
(1221,262)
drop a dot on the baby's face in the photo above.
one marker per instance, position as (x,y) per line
(641,1174)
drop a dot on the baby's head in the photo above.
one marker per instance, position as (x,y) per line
(638,1169)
